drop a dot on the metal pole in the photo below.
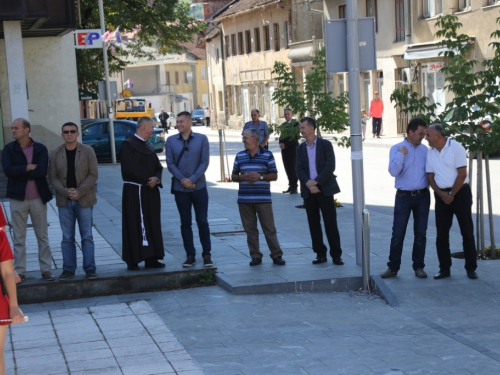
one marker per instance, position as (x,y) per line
(366,250)
(490,208)
(108,90)
(480,198)
(355,118)
(227,159)
(221,157)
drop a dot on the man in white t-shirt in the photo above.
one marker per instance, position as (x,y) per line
(446,169)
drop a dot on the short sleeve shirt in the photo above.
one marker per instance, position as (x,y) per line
(261,128)
(444,164)
(263,162)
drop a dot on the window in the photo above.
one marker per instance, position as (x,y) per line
(285,30)
(267,38)
(371,11)
(167,78)
(341,11)
(188,77)
(256,37)
(226,46)
(221,101)
(217,56)
(233,45)
(203,72)
(176,78)
(240,43)
(248,40)
(276,35)
(432,8)
(400,20)
(492,2)
(464,5)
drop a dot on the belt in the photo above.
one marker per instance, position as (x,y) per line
(413,192)
(449,189)
(144,239)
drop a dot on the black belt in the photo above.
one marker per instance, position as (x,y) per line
(413,192)
(449,189)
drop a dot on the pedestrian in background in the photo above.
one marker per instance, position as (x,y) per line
(446,169)
(364,119)
(254,169)
(73,173)
(260,126)
(318,184)
(188,156)
(25,163)
(142,239)
(376,111)
(289,141)
(407,165)
(164,116)
(207,116)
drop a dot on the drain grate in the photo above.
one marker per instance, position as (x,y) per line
(229,234)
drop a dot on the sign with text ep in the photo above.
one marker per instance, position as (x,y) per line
(88,38)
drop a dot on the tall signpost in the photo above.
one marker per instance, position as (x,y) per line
(108,90)
(350,47)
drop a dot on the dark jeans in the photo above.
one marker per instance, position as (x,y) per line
(197,199)
(461,207)
(208,121)
(377,125)
(405,204)
(314,204)
(289,156)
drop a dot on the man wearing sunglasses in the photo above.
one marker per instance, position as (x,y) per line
(188,156)
(73,173)
(25,163)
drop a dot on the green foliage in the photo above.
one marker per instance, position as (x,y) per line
(330,112)
(476,94)
(160,27)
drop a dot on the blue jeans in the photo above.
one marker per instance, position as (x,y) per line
(197,199)
(405,204)
(68,215)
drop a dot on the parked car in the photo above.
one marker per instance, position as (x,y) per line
(171,122)
(198,117)
(96,135)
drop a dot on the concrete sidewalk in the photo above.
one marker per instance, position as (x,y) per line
(428,327)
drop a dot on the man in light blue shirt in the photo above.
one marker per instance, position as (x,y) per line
(260,126)
(188,156)
(407,165)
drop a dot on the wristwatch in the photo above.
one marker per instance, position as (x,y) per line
(450,194)
(261,177)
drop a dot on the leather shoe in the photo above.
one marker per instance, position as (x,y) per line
(287,191)
(255,261)
(419,272)
(294,192)
(301,206)
(48,276)
(442,275)
(338,261)
(153,264)
(133,267)
(388,273)
(279,261)
(472,275)
(320,259)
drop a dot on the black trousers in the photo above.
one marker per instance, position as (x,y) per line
(377,125)
(289,156)
(316,203)
(461,207)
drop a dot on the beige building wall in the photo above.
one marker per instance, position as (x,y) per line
(202,83)
(249,81)
(215,81)
(50,65)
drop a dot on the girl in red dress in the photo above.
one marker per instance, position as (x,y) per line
(8,293)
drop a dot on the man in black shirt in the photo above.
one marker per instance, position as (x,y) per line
(73,173)
(163,119)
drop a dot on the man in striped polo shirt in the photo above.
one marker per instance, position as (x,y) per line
(254,169)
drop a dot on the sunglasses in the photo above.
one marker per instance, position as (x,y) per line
(69,131)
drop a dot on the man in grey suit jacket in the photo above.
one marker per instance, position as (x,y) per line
(318,184)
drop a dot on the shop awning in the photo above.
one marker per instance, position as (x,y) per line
(301,53)
(87,95)
(426,50)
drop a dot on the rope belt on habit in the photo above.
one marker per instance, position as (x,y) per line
(144,240)
(413,192)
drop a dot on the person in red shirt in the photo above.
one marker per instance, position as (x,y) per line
(376,110)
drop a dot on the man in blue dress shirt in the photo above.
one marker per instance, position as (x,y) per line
(188,156)
(407,165)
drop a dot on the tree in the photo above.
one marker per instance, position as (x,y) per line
(159,26)
(330,112)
